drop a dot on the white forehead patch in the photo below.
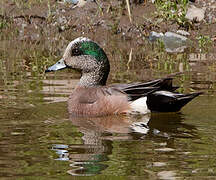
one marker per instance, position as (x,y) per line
(79,39)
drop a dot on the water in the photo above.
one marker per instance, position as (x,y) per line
(39,140)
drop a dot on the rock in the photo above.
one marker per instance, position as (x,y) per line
(71,1)
(184,33)
(154,36)
(174,42)
(79,3)
(195,14)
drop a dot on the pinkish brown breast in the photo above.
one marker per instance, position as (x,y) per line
(92,101)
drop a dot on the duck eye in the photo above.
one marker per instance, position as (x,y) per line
(75,52)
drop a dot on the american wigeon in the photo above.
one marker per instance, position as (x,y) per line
(92,97)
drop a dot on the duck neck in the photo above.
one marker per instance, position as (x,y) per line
(98,77)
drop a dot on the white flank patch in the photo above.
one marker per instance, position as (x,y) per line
(140,106)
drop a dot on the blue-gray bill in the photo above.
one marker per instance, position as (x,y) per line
(57,66)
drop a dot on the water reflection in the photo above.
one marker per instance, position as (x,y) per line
(172,124)
(100,133)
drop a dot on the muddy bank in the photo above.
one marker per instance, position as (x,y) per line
(38,31)
(35,20)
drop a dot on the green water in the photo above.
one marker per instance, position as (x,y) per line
(39,140)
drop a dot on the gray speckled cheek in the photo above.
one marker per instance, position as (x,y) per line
(84,63)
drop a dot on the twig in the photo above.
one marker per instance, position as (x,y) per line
(129,11)
(130,58)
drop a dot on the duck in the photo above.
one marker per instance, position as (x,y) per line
(92,97)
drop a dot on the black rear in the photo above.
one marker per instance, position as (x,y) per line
(170,102)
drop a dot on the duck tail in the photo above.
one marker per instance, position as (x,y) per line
(186,98)
(162,101)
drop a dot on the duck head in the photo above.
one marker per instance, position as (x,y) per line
(87,57)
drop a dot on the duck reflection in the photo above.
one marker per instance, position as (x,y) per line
(98,135)
(100,132)
(167,125)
